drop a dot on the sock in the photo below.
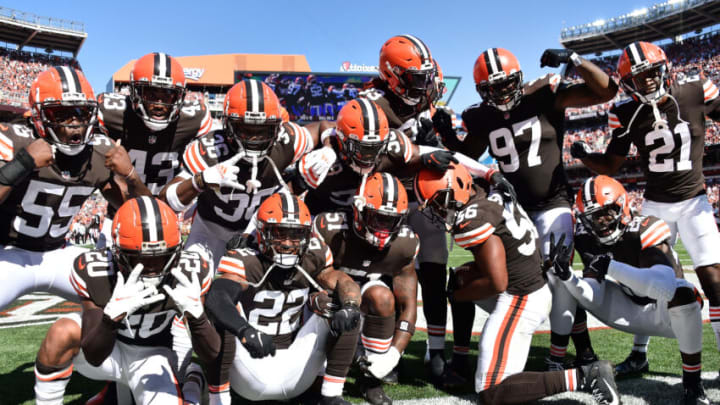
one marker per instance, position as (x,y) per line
(432,282)
(571,379)
(692,366)
(377,333)
(218,372)
(192,388)
(524,387)
(332,386)
(460,358)
(558,346)
(463,315)
(436,336)
(640,343)
(340,352)
(219,395)
(50,382)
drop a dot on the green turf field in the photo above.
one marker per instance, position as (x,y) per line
(18,347)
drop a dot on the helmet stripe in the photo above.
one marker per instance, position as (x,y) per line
(160,64)
(420,46)
(589,192)
(289,206)
(74,81)
(635,53)
(151,219)
(492,61)
(389,189)
(255,100)
(168,66)
(370,116)
(64,80)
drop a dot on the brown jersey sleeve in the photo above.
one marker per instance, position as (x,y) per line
(203,153)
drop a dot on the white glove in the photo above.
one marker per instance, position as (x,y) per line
(186,293)
(129,296)
(382,364)
(315,165)
(223,174)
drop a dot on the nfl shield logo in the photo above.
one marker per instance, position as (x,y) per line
(366,263)
(65,174)
(152,139)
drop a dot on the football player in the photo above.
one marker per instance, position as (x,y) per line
(665,120)
(522,125)
(647,294)
(505,278)
(155,122)
(47,171)
(130,294)
(378,251)
(273,351)
(407,86)
(232,171)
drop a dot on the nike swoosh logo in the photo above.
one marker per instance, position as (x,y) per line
(615,399)
(463,225)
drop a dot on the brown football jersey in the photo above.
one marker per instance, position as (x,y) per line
(672,158)
(275,306)
(37,213)
(401,116)
(155,154)
(336,191)
(94,276)
(526,142)
(642,233)
(483,217)
(359,259)
(233,208)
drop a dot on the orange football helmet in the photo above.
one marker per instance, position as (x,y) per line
(157,89)
(380,209)
(64,109)
(438,91)
(441,195)
(603,207)
(146,230)
(498,78)
(284,229)
(363,130)
(643,69)
(407,68)
(253,117)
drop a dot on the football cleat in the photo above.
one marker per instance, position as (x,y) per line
(393,376)
(695,394)
(553,364)
(436,367)
(598,380)
(337,400)
(373,391)
(635,364)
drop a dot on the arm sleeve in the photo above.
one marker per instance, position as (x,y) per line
(620,143)
(98,335)
(220,303)
(205,339)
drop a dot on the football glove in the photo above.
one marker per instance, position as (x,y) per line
(503,185)
(598,265)
(315,165)
(555,57)
(559,258)
(131,295)
(322,304)
(580,150)
(443,125)
(258,344)
(223,174)
(382,364)
(426,133)
(438,160)
(186,293)
(347,318)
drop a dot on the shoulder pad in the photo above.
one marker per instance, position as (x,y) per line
(328,222)
(204,152)
(472,226)
(550,80)
(651,231)
(100,262)
(238,261)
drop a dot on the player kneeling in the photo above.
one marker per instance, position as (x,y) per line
(273,354)
(130,294)
(647,294)
(506,279)
(376,248)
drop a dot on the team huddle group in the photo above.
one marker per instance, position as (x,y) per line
(308,242)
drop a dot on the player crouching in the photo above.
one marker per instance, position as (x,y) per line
(273,354)
(505,278)
(647,294)
(377,249)
(130,294)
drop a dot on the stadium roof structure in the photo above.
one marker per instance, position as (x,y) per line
(219,70)
(27,29)
(661,21)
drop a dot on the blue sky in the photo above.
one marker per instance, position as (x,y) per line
(327,33)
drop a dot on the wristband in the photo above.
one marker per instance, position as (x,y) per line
(575,59)
(405,326)
(173,200)
(194,184)
(130,174)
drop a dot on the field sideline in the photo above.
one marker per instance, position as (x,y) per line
(18,347)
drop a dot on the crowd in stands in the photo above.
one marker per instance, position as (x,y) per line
(18,69)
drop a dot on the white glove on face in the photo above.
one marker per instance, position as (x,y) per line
(382,364)
(315,165)
(186,294)
(223,174)
(131,295)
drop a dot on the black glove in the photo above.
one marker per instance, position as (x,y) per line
(438,160)
(558,258)
(347,318)
(580,150)
(442,121)
(238,241)
(257,343)
(503,185)
(555,57)
(426,133)
(598,265)
(322,304)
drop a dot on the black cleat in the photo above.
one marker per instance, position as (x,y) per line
(392,377)
(436,367)
(695,395)
(373,392)
(338,400)
(634,365)
(598,379)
